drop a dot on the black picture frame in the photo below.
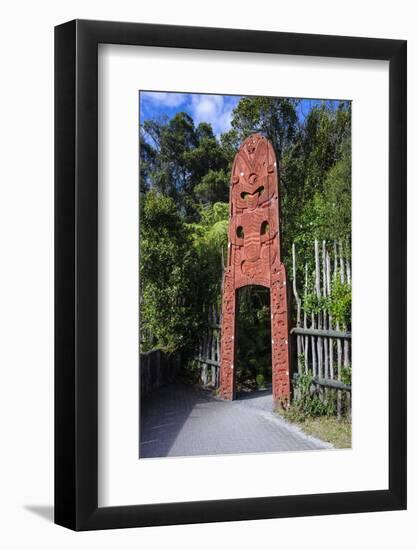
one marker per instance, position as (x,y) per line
(76,272)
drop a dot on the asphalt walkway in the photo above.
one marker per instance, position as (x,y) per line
(179,420)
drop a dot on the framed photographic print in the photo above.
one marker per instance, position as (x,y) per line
(230,247)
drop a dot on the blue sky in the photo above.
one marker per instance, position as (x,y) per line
(214,109)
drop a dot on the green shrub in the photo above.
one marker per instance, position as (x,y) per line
(308,401)
(260,381)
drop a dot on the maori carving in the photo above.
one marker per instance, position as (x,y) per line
(254,259)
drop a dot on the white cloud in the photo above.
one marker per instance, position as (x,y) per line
(206,107)
(212,109)
(225,120)
(167,99)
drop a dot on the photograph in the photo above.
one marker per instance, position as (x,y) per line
(245,274)
(214,204)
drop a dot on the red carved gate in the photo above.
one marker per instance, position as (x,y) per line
(254,258)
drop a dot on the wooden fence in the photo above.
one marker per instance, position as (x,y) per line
(157,369)
(209,349)
(323,340)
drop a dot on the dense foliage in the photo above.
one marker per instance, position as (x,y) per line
(169,275)
(254,337)
(184,185)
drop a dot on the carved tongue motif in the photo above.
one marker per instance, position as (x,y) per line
(253,201)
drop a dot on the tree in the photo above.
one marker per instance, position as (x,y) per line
(316,190)
(274,117)
(213,187)
(185,157)
(147,162)
(169,277)
(210,243)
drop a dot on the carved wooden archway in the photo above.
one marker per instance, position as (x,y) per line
(254,258)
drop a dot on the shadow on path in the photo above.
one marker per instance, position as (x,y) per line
(179,420)
(164,413)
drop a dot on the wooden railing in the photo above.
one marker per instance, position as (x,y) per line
(323,349)
(156,369)
(208,354)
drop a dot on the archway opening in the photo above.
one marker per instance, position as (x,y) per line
(253,370)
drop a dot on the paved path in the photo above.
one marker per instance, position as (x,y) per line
(178,420)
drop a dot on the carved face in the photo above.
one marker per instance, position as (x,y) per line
(254,209)
(254,178)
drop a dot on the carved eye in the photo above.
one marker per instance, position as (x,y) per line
(239,232)
(264,228)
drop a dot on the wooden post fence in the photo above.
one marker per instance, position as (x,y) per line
(321,338)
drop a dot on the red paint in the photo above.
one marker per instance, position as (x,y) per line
(254,258)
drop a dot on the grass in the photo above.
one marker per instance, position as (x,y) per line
(326,428)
